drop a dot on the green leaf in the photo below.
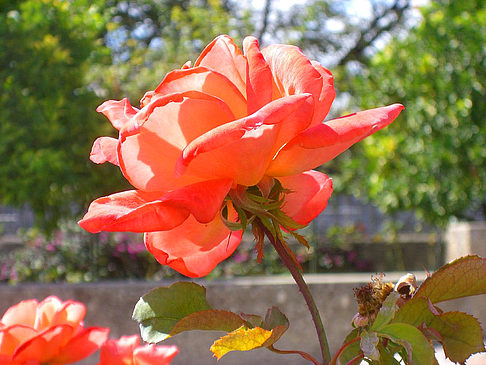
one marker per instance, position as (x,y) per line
(461,335)
(387,358)
(241,217)
(353,349)
(460,278)
(158,311)
(387,311)
(209,320)
(301,239)
(415,312)
(234,226)
(419,350)
(286,221)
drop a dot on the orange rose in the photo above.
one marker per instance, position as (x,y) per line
(51,332)
(233,120)
(127,351)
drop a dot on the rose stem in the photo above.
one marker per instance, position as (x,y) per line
(304,289)
(305,355)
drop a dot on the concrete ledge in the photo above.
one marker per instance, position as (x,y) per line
(110,304)
(465,238)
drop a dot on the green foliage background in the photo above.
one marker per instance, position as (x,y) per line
(60,59)
(47,118)
(433,158)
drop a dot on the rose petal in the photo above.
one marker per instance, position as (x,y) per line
(193,249)
(310,192)
(320,144)
(151,354)
(46,312)
(11,337)
(71,313)
(148,157)
(117,111)
(45,345)
(207,81)
(294,74)
(224,56)
(258,77)
(21,313)
(118,352)
(104,150)
(139,211)
(241,150)
(85,343)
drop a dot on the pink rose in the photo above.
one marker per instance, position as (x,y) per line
(127,351)
(232,121)
(51,331)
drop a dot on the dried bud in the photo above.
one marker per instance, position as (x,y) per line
(371,296)
(406,285)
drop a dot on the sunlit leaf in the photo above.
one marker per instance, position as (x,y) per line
(461,335)
(460,278)
(387,311)
(242,339)
(414,312)
(419,350)
(158,311)
(245,339)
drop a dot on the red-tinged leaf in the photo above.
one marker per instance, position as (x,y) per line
(419,350)
(209,320)
(461,335)
(460,278)
(158,311)
(242,339)
(252,319)
(276,321)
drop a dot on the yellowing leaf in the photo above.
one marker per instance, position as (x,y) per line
(242,339)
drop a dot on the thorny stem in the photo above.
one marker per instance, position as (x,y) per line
(304,289)
(341,350)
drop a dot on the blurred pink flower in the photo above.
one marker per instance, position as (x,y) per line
(127,351)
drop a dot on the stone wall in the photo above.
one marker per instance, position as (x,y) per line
(110,304)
